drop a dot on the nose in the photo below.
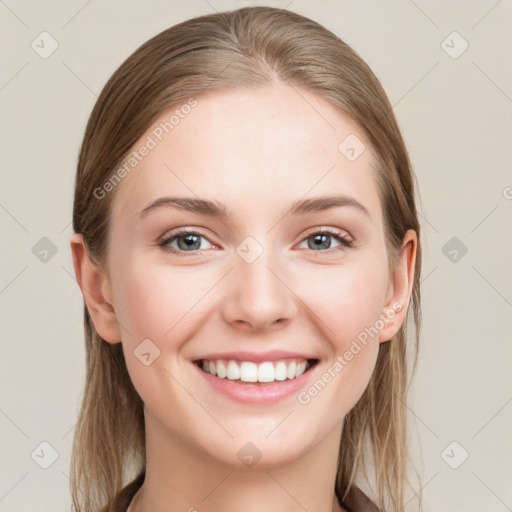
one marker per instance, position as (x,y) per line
(258,296)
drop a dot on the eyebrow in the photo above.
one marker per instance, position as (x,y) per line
(218,210)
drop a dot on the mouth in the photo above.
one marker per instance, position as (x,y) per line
(250,372)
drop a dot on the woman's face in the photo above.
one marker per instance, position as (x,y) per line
(255,278)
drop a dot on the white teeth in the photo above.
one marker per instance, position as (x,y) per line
(290,373)
(301,368)
(221,370)
(247,371)
(233,371)
(265,372)
(280,371)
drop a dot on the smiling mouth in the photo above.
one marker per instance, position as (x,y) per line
(247,372)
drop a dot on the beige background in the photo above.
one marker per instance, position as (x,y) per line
(456,115)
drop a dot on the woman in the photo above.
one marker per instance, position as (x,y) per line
(248,248)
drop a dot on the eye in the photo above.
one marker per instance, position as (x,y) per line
(323,240)
(186,241)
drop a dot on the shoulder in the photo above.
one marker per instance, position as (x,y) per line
(357,501)
(125,495)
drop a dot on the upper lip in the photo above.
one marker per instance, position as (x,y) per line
(256,357)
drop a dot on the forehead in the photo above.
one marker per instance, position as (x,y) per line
(271,144)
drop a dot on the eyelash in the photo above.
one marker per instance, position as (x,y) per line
(343,240)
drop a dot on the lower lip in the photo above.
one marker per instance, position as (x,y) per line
(257,393)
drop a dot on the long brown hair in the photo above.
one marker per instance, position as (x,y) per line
(248,47)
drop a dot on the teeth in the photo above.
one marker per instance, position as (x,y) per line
(221,370)
(291,370)
(247,371)
(280,371)
(233,371)
(265,372)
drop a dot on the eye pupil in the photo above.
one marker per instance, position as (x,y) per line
(320,239)
(190,241)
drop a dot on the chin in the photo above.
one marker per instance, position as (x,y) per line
(247,451)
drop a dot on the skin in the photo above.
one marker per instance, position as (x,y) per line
(256,151)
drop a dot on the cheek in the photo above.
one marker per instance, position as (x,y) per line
(154,302)
(348,315)
(347,300)
(161,306)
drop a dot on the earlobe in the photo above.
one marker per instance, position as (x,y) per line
(95,288)
(395,312)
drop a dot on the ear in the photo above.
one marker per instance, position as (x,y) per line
(95,287)
(400,289)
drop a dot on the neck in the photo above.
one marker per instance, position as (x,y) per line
(181,478)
